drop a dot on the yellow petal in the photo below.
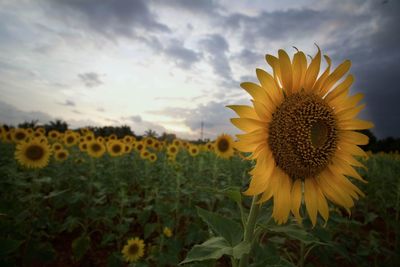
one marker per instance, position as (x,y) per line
(259,183)
(270,86)
(299,70)
(352,149)
(355,124)
(350,113)
(296,199)
(340,88)
(332,191)
(322,78)
(248,125)
(335,76)
(282,199)
(353,137)
(263,112)
(244,111)
(312,72)
(274,63)
(348,102)
(349,159)
(311,200)
(256,91)
(342,167)
(286,71)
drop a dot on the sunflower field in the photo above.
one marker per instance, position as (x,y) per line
(295,188)
(74,199)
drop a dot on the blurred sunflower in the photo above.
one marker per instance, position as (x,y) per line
(83,146)
(144,154)
(95,149)
(167,231)
(115,148)
(301,130)
(152,157)
(61,155)
(223,146)
(133,250)
(56,146)
(210,146)
(70,139)
(139,146)
(172,150)
(53,134)
(20,135)
(33,154)
(193,150)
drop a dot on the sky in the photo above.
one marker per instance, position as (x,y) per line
(171,65)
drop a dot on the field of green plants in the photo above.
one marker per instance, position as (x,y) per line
(82,210)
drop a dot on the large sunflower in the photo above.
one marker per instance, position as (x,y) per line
(133,250)
(95,148)
(301,130)
(33,154)
(223,146)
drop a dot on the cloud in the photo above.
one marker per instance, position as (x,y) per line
(139,126)
(69,103)
(112,18)
(182,56)
(216,49)
(13,116)
(90,79)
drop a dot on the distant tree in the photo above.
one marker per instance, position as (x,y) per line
(167,137)
(58,125)
(32,124)
(150,133)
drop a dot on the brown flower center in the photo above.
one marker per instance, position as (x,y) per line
(116,148)
(34,152)
(133,249)
(223,145)
(303,135)
(96,147)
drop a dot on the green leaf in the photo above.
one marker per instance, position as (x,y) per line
(80,246)
(228,229)
(240,249)
(8,246)
(234,194)
(149,229)
(212,249)
(55,193)
(295,232)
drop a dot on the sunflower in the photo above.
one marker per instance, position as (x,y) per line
(83,146)
(172,150)
(33,154)
(140,146)
(61,155)
(152,157)
(115,148)
(223,146)
(193,150)
(133,250)
(70,139)
(53,134)
(167,231)
(301,130)
(210,146)
(56,146)
(176,142)
(144,154)
(20,135)
(95,148)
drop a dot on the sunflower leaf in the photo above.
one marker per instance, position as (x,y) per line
(212,249)
(227,228)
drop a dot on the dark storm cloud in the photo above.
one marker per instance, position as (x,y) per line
(216,49)
(90,79)
(376,66)
(367,33)
(112,18)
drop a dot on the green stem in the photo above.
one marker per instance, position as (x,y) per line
(302,254)
(249,229)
